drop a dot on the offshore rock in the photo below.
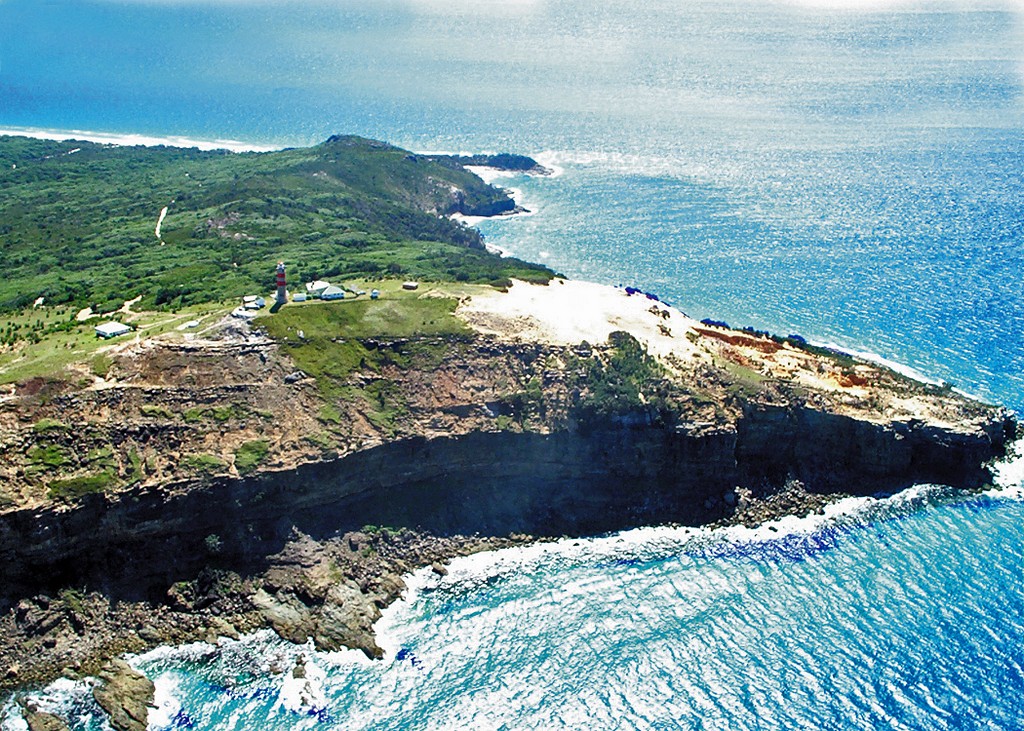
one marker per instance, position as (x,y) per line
(39,720)
(125,695)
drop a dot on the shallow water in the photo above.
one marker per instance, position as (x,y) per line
(847,170)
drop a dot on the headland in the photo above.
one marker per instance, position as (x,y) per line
(213,474)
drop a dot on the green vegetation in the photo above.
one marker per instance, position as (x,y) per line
(330,414)
(745,381)
(324,440)
(79,229)
(383,530)
(523,404)
(249,456)
(101,365)
(101,457)
(52,456)
(76,487)
(48,426)
(220,414)
(74,600)
(335,334)
(387,405)
(626,382)
(137,466)
(210,463)
(156,411)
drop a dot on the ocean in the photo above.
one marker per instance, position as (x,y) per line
(849,170)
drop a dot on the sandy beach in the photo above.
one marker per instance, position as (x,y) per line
(128,140)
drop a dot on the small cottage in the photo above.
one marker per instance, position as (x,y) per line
(316,289)
(112,329)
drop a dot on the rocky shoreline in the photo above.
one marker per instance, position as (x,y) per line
(331,591)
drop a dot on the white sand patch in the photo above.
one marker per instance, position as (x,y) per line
(160,221)
(84,314)
(108,138)
(127,306)
(568,312)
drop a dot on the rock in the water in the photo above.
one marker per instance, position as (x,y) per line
(438,568)
(346,620)
(125,695)
(39,720)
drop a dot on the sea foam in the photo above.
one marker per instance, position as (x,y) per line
(642,545)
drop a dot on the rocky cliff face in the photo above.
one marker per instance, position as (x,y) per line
(611,477)
(224,512)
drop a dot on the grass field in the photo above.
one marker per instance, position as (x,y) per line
(51,339)
(326,339)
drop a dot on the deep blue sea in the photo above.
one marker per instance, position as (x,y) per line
(850,170)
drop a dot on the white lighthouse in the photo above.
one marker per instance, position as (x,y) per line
(282,293)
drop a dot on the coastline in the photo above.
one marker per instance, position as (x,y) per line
(129,140)
(480,561)
(296,595)
(490,175)
(224,608)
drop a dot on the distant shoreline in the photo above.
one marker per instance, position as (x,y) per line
(131,140)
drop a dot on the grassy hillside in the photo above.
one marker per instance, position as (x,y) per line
(78,220)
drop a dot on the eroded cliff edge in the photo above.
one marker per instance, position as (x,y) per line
(199,488)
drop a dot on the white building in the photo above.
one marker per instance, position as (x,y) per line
(315,289)
(112,329)
(333,293)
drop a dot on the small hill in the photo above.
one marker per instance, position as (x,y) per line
(79,221)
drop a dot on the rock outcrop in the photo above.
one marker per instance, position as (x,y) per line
(40,720)
(125,695)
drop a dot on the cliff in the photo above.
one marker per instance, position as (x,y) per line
(228,480)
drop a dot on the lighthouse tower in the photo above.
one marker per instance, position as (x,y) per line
(282,293)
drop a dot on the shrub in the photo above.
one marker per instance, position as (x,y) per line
(47,426)
(74,488)
(250,455)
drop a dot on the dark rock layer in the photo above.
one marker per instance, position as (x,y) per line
(135,544)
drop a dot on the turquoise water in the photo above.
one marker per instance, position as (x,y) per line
(847,170)
(872,618)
